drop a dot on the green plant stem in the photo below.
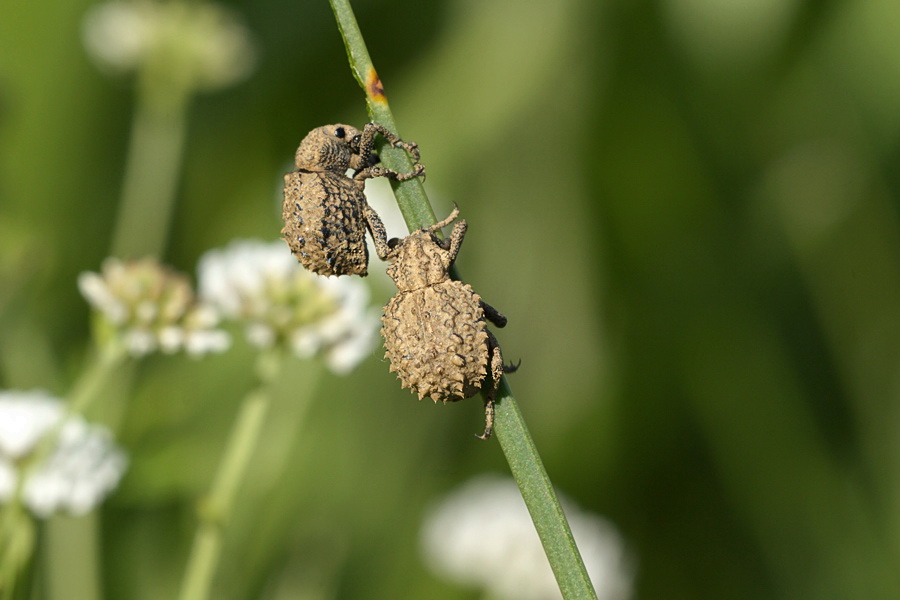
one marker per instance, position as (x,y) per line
(151,175)
(540,497)
(77,573)
(216,508)
(17,540)
(94,378)
(71,557)
(411,198)
(509,425)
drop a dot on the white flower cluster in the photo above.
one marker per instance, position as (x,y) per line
(262,285)
(152,308)
(481,535)
(200,44)
(81,469)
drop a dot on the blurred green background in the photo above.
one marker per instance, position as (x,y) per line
(688,209)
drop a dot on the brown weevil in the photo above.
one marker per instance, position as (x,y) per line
(324,210)
(434,328)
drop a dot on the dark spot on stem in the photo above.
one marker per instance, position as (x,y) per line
(374,88)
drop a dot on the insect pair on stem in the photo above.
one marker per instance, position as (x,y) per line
(434,328)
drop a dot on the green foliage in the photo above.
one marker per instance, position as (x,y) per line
(688,210)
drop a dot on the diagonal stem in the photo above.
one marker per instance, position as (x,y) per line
(509,425)
(410,194)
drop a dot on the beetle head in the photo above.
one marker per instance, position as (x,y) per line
(328,148)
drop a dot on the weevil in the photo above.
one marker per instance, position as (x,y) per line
(434,328)
(325,211)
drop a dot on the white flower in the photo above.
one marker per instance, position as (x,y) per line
(152,307)
(82,468)
(24,417)
(263,286)
(200,45)
(118,35)
(481,535)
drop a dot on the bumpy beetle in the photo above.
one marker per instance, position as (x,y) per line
(434,327)
(324,210)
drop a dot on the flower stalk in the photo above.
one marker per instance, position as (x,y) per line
(17,538)
(175,50)
(509,425)
(152,169)
(87,388)
(286,311)
(215,510)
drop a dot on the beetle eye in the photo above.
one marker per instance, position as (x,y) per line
(393,243)
(340,133)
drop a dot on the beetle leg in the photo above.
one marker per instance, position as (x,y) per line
(449,219)
(493,315)
(488,420)
(496,372)
(367,143)
(368,137)
(456,239)
(379,171)
(379,234)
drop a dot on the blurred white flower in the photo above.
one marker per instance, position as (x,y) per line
(481,535)
(152,307)
(118,34)
(199,45)
(263,286)
(82,468)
